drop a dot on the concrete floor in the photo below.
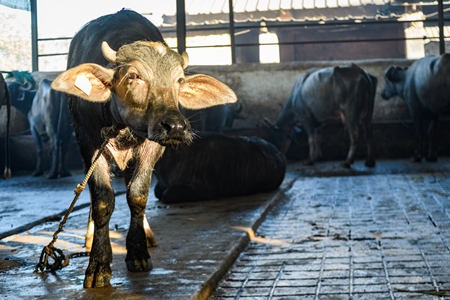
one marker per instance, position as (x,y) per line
(381,233)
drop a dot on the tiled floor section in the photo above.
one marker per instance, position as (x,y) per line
(360,237)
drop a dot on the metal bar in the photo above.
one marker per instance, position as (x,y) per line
(34,37)
(441,27)
(231,20)
(181,26)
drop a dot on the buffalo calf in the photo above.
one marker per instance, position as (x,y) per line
(126,85)
(216,165)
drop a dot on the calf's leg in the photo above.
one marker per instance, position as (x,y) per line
(98,272)
(138,258)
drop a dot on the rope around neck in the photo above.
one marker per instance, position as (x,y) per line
(50,250)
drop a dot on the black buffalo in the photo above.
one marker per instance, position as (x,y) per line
(345,93)
(22,96)
(213,119)
(50,119)
(4,95)
(425,87)
(132,97)
(216,165)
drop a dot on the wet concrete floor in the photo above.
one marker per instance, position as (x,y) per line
(330,233)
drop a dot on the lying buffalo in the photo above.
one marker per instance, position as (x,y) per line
(213,119)
(216,165)
(345,93)
(132,97)
(425,87)
(49,118)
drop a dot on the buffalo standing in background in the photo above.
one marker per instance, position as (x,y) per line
(345,93)
(216,165)
(425,87)
(134,93)
(49,117)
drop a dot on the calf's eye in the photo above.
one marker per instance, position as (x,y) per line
(181,80)
(133,76)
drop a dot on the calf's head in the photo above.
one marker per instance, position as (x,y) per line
(145,87)
(393,77)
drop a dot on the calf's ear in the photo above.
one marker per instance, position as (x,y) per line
(88,81)
(201,91)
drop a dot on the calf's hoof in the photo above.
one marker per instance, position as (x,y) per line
(139,265)
(97,275)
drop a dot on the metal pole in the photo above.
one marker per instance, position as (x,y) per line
(233,43)
(181,26)
(34,37)
(441,27)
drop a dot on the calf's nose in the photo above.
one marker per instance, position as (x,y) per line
(176,127)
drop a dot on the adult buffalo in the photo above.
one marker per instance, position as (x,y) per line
(425,87)
(49,117)
(133,104)
(216,165)
(22,95)
(4,94)
(345,93)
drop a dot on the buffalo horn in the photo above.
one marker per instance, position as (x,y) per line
(185,57)
(108,53)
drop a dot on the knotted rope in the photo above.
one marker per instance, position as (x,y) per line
(50,251)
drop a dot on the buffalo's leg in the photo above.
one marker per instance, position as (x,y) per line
(55,144)
(150,237)
(39,169)
(417,155)
(353,130)
(98,272)
(138,258)
(313,143)
(432,130)
(63,172)
(370,160)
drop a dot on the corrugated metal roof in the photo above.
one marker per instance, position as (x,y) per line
(198,7)
(202,12)
(432,32)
